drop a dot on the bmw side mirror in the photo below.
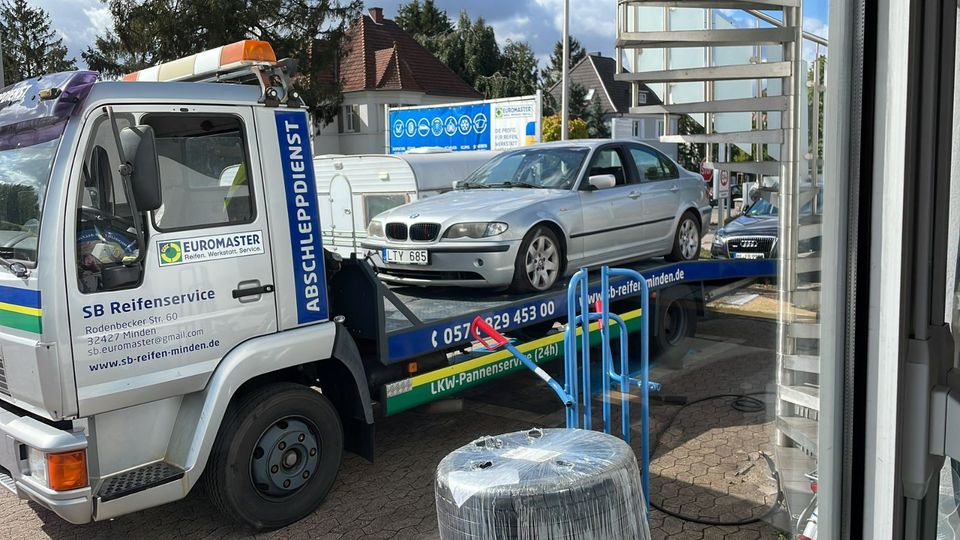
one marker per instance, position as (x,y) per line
(602,181)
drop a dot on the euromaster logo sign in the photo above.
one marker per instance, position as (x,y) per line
(209,248)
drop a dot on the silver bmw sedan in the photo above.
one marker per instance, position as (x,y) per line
(531,216)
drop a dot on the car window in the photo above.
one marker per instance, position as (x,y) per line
(608,161)
(653,165)
(548,168)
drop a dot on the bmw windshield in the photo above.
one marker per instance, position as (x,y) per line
(544,168)
(27,151)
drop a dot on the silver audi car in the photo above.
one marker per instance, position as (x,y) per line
(529,217)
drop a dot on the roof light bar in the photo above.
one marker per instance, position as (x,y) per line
(208,64)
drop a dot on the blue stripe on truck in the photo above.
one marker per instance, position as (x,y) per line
(306,246)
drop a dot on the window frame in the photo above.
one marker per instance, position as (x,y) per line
(661,158)
(368,218)
(254,214)
(629,172)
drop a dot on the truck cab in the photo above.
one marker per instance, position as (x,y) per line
(162,279)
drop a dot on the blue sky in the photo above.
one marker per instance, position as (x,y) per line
(536,21)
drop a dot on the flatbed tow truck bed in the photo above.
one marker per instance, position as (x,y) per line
(401,330)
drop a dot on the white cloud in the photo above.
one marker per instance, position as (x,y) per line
(819,28)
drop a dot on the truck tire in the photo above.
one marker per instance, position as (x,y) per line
(540,249)
(276,456)
(676,323)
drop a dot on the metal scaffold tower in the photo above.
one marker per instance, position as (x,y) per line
(783,138)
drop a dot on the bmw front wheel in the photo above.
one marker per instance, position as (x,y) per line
(539,261)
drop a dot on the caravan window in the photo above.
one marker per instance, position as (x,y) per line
(374,204)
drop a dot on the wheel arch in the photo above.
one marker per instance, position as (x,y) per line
(322,356)
(561,237)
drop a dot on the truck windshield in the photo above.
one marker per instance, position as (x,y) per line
(27,151)
(549,168)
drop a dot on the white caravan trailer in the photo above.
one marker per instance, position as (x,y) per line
(354,189)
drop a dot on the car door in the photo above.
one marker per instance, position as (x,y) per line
(206,277)
(659,188)
(610,215)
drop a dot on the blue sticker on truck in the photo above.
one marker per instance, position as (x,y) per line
(310,281)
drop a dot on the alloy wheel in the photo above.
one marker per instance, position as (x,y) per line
(689,238)
(542,263)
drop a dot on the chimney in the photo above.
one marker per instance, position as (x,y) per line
(376,13)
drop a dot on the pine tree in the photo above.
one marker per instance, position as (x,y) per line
(30,46)
(517,75)
(552,74)
(423,20)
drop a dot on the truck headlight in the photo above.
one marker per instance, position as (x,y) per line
(476,230)
(375,229)
(62,471)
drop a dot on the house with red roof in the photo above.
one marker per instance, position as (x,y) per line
(382,66)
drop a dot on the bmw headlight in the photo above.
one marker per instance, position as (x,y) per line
(375,229)
(475,230)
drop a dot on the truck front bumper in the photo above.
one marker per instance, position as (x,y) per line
(19,432)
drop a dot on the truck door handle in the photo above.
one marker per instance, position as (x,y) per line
(241,292)
(634,194)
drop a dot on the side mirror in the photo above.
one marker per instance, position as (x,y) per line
(140,150)
(602,181)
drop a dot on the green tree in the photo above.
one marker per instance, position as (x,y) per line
(148,32)
(471,50)
(551,129)
(30,46)
(596,121)
(423,19)
(517,75)
(690,156)
(552,74)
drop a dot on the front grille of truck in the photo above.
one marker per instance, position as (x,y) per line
(750,244)
(424,232)
(397,231)
(3,378)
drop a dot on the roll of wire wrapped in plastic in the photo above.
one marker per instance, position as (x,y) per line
(552,484)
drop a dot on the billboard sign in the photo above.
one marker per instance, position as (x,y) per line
(481,125)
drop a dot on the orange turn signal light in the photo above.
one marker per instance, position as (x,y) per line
(249,50)
(67,470)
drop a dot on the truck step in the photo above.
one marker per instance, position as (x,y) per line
(139,479)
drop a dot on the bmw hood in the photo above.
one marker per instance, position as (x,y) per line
(481,204)
(752,226)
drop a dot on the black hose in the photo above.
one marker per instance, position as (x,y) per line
(746,403)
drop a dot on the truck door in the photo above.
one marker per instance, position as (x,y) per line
(206,282)
(341,213)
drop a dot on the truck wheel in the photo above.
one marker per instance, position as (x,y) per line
(275,457)
(676,323)
(686,240)
(539,261)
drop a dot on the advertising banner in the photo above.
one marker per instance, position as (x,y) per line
(481,125)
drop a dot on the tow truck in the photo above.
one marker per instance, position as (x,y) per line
(169,316)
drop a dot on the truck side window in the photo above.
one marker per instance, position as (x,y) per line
(105,233)
(204,171)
